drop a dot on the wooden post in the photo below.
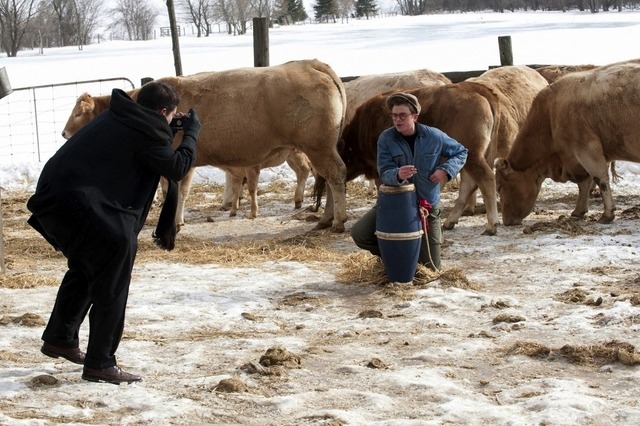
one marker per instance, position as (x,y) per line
(506,54)
(175,38)
(260,42)
(2,268)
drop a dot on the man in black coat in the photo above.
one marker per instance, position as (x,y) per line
(91,202)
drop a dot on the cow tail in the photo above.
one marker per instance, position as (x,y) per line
(326,69)
(319,188)
(615,177)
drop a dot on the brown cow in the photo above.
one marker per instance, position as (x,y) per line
(553,72)
(298,105)
(364,87)
(575,127)
(483,114)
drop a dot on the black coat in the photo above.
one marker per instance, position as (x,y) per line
(106,175)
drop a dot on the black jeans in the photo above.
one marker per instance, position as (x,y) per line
(100,259)
(363,233)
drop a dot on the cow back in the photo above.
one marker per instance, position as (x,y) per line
(365,87)
(247,114)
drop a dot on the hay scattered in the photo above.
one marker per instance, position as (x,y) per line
(531,349)
(589,355)
(362,268)
(366,269)
(27,280)
(564,224)
(191,250)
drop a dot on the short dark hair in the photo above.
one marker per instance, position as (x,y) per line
(156,95)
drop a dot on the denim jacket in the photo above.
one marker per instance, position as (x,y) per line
(431,146)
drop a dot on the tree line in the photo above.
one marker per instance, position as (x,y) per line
(58,23)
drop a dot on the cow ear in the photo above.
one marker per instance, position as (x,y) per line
(86,107)
(501,164)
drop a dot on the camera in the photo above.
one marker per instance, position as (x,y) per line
(178,122)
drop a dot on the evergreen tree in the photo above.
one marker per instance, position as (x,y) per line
(366,8)
(324,9)
(297,11)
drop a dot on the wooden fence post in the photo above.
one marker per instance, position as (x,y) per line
(260,42)
(5,86)
(2,269)
(506,54)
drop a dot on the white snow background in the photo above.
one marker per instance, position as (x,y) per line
(418,388)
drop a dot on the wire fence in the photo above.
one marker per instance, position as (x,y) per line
(32,118)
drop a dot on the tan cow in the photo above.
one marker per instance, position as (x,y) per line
(553,72)
(575,127)
(483,114)
(250,114)
(90,106)
(234,179)
(365,87)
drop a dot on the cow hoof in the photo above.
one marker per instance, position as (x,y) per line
(449,226)
(338,228)
(233,214)
(322,225)
(490,232)
(297,205)
(605,219)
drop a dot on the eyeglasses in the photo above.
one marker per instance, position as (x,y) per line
(402,116)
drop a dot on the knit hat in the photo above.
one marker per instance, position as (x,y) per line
(404,98)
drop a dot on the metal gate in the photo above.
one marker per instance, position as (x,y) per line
(32,118)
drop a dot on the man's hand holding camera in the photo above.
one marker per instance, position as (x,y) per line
(188,122)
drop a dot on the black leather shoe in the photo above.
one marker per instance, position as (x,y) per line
(113,375)
(74,355)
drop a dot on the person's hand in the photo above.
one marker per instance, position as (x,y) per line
(405,172)
(439,176)
(191,124)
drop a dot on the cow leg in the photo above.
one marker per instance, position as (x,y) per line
(299,163)
(470,207)
(184,186)
(227,197)
(593,161)
(253,176)
(335,172)
(371,187)
(582,204)
(475,174)
(237,178)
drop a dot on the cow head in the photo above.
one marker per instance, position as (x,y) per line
(517,190)
(83,112)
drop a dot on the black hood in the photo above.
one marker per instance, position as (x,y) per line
(137,117)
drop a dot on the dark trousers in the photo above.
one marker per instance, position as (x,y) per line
(363,233)
(100,260)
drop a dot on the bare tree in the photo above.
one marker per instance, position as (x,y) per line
(87,16)
(134,19)
(235,13)
(64,12)
(262,8)
(198,12)
(15,16)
